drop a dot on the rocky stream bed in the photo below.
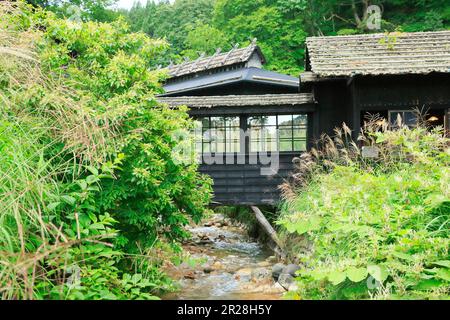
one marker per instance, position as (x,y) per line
(228,265)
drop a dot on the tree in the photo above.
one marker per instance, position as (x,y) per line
(96,10)
(204,38)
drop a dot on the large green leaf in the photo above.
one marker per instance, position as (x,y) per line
(444,274)
(356,274)
(378,272)
(443,263)
(428,284)
(336,277)
(403,256)
(318,274)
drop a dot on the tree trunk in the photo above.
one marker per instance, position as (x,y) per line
(266,226)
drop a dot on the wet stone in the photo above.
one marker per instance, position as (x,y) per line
(285,280)
(291,269)
(277,269)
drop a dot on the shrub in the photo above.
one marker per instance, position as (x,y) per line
(89,184)
(372,227)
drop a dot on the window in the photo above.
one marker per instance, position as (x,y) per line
(408,118)
(278,132)
(284,133)
(217,135)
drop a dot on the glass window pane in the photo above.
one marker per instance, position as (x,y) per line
(204,122)
(255,133)
(217,122)
(262,121)
(394,116)
(286,145)
(299,145)
(271,145)
(254,121)
(410,118)
(231,122)
(220,146)
(268,133)
(232,133)
(282,132)
(285,133)
(206,147)
(207,135)
(233,146)
(254,145)
(299,132)
(285,120)
(300,119)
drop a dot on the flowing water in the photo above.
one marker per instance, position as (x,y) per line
(224,264)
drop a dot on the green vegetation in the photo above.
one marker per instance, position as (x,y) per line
(281,26)
(372,227)
(93,201)
(92,198)
(192,27)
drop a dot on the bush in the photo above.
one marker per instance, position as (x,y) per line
(372,227)
(90,188)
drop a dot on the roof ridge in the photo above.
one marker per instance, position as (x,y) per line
(376,54)
(233,56)
(379,34)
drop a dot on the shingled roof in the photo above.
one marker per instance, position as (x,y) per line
(377,54)
(239,100)
(236,55)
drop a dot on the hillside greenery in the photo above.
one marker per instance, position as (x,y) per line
(192,27)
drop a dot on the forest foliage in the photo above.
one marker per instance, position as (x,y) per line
(89,183)
(192,27)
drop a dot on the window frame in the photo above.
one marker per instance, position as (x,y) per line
(245,141)
(394,125)
(293,139)
(225,128)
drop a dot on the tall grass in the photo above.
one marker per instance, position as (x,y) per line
(30,131)
(372,226)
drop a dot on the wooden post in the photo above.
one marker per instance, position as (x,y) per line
(266,226)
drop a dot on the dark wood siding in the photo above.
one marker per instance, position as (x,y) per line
(334,106)
(407,91)
(244,184)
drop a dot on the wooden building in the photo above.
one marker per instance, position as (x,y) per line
(249,114)
(385,74)
(253,122)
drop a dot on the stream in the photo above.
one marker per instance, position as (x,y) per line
(224,264)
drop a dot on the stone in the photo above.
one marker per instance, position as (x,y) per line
(263,264)
(204,242)
(208,269)
(190,275)
(220,237)
(217,265)
(244,274)
(271,259)
(277,269)
(261,273)
(285,280)
(278,287)
(291,269)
